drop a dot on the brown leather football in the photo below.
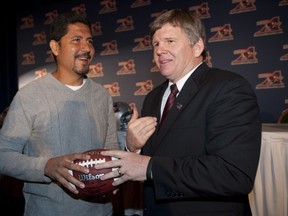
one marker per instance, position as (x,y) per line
(93,185)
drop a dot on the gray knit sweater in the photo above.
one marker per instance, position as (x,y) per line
(48,119)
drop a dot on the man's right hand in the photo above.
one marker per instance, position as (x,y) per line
(57,169)
(139,130)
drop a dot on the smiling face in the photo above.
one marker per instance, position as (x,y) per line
(174,55)
(74,52)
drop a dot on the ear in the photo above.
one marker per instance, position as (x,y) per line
(54,46)
(198,48)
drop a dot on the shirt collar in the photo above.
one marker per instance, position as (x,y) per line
(183,80)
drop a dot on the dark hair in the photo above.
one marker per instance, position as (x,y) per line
(60,24)
(189,22)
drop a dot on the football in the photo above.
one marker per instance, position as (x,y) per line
(93,185)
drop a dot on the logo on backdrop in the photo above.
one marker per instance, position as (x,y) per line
(208,59)
(271,80)
(201,10)
(144,87)
(28,58)
(246,56)
(50,57)
(243,6)
(143,43)
(50,17)
(155,67)
(108,6)
(269,27)
(113,89)
(39,38)
(110,48)
(96,70)
(127,67)
(27,22)
(81,9)
(140,3)
(40,73)
(285,56)
(96,28)
(223,33)
(126,24)
(156,14)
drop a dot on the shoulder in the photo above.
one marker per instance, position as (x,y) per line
(224,77)
(217,73)
(96,87)
(34,86)
(225,83)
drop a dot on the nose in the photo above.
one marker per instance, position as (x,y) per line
(86,46)
(160,50)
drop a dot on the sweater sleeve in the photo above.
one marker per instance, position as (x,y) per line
(13,140)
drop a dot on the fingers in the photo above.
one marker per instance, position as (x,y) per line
(142,126)
(60,169)
(143,122)
(71,183)
(80,156)
(135,114)
(115,165)
(119,172)
(114,153)
(149,126)
(118,175)
(115,191)
(139,131)
(129,166)
(119,181)
(121,178)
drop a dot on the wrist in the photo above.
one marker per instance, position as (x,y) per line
(135,150)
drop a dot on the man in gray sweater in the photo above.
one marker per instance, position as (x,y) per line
(52,120)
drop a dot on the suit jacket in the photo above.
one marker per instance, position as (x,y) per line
(205,155)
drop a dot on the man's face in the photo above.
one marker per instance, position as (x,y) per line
(173,53)
(75,51)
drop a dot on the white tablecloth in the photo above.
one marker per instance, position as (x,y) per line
(269,196)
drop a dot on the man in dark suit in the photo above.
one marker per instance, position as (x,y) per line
(202,159)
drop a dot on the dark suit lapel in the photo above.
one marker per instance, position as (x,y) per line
(157,102)
(184,98)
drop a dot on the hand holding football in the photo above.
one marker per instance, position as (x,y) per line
(94,186)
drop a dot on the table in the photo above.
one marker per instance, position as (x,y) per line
(269,196)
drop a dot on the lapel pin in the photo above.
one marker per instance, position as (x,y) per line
(179,106)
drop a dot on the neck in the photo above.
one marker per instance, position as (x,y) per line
(68,80)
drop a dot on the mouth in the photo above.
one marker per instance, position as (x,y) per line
(164,62)
(84,57)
